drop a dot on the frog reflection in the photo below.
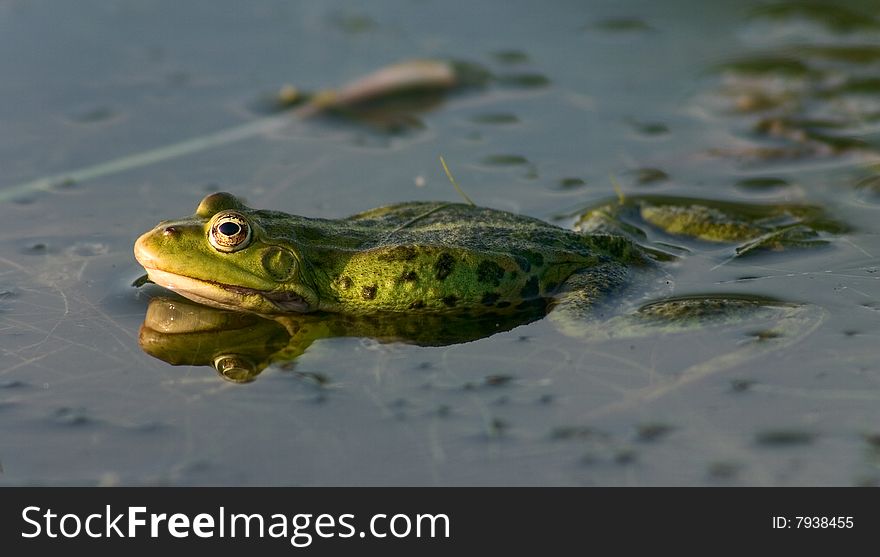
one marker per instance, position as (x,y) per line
(241,345)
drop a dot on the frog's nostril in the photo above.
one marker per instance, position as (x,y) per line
(169,231)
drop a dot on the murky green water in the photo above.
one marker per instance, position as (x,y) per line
(717,100)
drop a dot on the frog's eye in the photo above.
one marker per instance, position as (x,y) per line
(230,232)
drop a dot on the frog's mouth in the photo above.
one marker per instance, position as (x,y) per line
(226,296)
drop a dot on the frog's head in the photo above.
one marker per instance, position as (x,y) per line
(223,257)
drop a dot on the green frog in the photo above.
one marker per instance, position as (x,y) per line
(420,257)
(434,273)
(438,257)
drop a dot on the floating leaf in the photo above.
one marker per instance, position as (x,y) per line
(646,176)
(650,128)
(652,431)
(853,54)
(833,16)
(859,86)
(768,65)
(621,25)
(388,82)
(524,80)
(571,183)
(567,433)
(784,437)
(498,380)
(93,115)
(762,183)
(495,118)
(353,23)
(723,470)
(505,160)
(510,56)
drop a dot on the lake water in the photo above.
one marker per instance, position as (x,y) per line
(720,100)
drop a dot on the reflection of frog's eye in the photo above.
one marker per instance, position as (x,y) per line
(236,369)
(230,232)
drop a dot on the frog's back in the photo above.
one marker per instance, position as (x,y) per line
(441,256)
(481,229)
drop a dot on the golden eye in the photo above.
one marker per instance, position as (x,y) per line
(230,232)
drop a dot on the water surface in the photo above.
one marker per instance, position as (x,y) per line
(721,100)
